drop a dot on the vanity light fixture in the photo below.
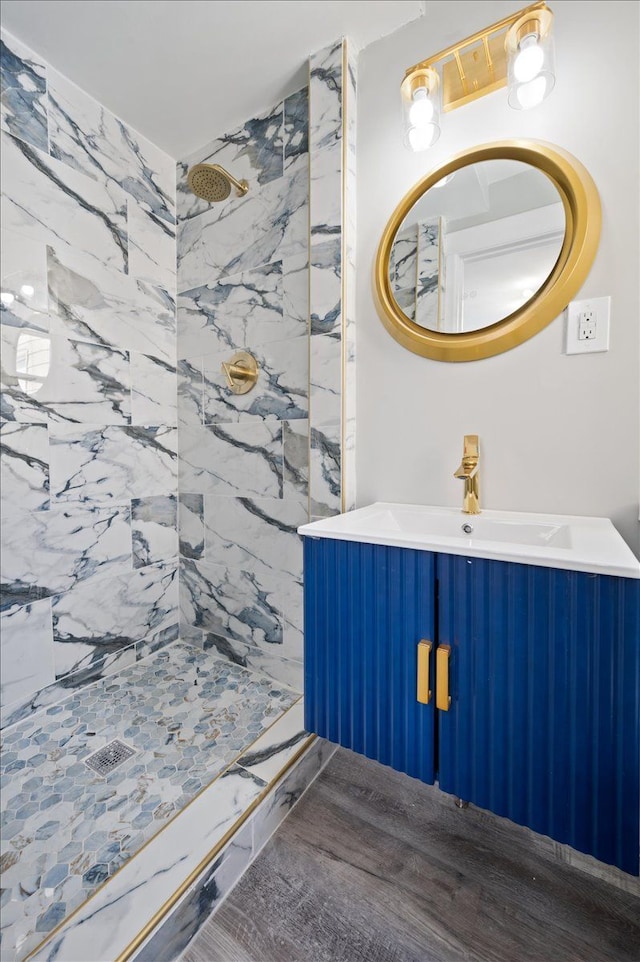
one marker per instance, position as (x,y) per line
(516,51)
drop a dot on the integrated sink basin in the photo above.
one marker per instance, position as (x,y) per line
(549,540)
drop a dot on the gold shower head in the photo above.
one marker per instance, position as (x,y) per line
(213,183)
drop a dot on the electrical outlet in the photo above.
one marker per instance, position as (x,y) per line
(588,325)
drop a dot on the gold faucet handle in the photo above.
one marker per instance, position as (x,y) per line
(241,372)
(470,449)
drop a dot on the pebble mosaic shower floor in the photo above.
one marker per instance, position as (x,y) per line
(65,830)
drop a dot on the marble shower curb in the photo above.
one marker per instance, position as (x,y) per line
(162,895)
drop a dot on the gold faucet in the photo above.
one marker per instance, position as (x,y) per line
(468,471)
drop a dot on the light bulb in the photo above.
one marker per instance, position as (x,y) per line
(27,290)
(529,59)
(7,298)
(421,110)
(533,93)
(422,137)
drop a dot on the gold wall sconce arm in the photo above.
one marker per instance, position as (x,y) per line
(241,372)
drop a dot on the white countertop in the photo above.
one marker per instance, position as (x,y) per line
(549,540)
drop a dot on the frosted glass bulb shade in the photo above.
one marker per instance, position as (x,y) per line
(529,59)
(421,110)
(531,94)
(422,137)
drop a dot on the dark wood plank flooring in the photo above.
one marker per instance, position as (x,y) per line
(373,866)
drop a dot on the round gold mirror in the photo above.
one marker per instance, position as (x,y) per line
(488,249)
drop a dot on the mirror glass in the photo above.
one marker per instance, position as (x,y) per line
(477,246)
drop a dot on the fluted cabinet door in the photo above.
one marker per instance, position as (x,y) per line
(544,677)
(367,607)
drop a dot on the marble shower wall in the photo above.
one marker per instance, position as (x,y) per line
(88,407)
(243,459)
(332,152)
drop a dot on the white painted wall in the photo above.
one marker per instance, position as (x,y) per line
(558,433)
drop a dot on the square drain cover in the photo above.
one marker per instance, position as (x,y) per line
(110,757)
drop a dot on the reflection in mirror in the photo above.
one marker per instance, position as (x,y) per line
(477,246)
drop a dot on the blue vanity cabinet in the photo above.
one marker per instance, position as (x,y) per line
(544,680)
(542,668)
(367,608)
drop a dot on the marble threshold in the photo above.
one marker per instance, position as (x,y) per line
(123,913)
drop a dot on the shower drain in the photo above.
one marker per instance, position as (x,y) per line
(110,757)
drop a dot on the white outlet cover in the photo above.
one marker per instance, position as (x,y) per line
(601,307)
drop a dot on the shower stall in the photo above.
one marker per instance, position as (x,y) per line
(152,637)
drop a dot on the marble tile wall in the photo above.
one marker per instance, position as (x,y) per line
(332,143)
(88,417)
(243,280)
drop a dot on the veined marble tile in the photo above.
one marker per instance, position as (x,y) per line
(154,530)
(50,552)
(296,129)
(325,283)
(103,306)
(405,259)
(153,391)
(255,535)
(133,607)
(406,300)
(190,635)
(257,229)
(326,194)
(266,660)
(245,309)
(24,301)
(166,636)
(87,136)
(253,152)
(295,440)
(47,201)
(325,471)
(26,653)
(111,464)
(239,460)
(230,603)
(24,466)
(24,352)
(24,92)
(280,392)
(326,379)
(295,294)
(152,246)
(428,274)
(85,383)
(23,568)
(177,930)
(118,911)
(33,704)
(289,791)
(325,98)
(277,746)
(190,394)
(191,525)
(189,716)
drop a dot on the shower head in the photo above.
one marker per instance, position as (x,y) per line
(213,183)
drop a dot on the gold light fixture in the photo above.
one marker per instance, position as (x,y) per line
(517,51)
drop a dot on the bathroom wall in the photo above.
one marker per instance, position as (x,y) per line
(243,283)
(558,433)
(89,429)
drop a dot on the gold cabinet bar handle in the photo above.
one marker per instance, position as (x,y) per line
(443,700)
(424,654)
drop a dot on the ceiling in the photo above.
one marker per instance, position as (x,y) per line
(183,71)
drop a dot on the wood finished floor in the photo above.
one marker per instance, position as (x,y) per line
(373,866)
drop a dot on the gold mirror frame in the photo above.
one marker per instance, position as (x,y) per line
(583,218)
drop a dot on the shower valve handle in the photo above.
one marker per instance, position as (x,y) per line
(241,372)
